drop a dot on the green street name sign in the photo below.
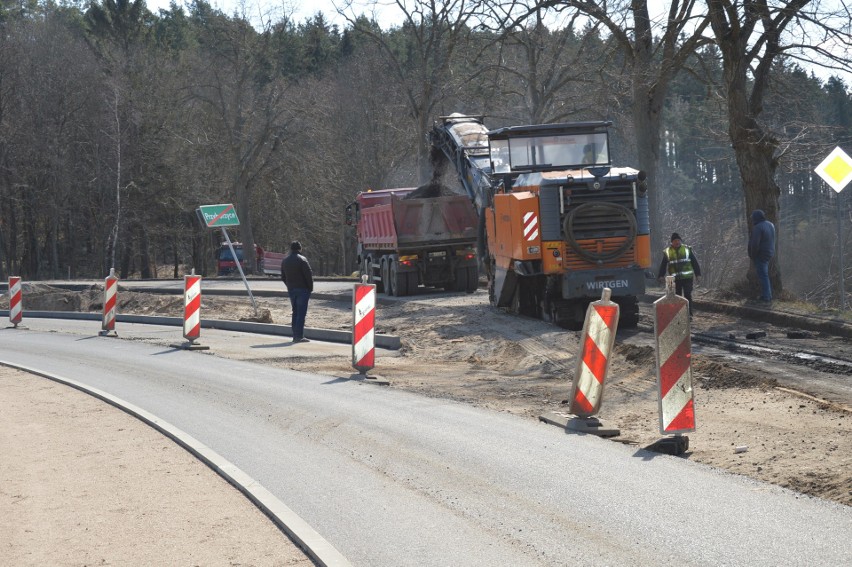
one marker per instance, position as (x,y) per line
(219,215)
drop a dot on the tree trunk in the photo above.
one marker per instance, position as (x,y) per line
(125,264)
(647,116)
(755,150)
(176,259)
(243,192)
(145,271)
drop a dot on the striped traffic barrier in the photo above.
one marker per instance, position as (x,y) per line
(364,327)
(674,368)
(110,297)
(596,342)
(16,307)
(191,312)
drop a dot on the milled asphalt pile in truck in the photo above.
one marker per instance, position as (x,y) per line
(430,190)
(434,188)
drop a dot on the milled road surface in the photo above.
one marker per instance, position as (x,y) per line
(391,478)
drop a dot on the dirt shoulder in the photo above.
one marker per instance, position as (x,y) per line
(83,483)
(457,346)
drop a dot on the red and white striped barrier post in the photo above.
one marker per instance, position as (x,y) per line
(363,327)
(110,297)
(674,368)
(16,308)
(192,312)
(596,343)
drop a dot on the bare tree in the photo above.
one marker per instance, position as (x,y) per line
(542,73)
(421,54)
(48,122)
(247,99)
(752,37)
(652,63)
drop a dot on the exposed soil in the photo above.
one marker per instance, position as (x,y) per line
(83,483)
(760,417)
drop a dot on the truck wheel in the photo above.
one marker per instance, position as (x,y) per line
(399,280)
(628,317)
(372,277)
(472,279)
(387,279)
(411,289)
(460,281)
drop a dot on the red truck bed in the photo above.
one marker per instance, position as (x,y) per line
(388,221)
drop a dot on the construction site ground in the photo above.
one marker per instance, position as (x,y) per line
(757,415)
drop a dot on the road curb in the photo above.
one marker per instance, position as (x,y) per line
(388,342)
(298,530)
(772,314)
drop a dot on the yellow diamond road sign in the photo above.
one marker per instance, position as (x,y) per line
(836,169)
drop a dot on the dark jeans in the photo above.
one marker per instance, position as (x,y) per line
(684,289)
(299,302)
(762,268)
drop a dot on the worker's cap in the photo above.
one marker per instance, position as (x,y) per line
(295,246)
(675,236)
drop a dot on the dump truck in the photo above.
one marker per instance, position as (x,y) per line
(558,221)
(405,241)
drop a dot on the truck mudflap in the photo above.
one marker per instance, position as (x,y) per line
(622,282)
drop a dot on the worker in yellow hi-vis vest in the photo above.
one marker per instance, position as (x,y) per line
(679,261)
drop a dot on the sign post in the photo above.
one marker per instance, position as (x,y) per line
(221,216)
(836,170)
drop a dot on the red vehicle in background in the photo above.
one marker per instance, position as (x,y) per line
(268,263)
(405,241)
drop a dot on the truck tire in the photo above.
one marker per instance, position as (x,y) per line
(459,282)
(398,280)
(628,317)
(413,283)
(372,276)
(390,288)
(472,279)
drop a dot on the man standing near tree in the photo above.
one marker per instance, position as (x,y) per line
(679,261)
(761,249)
(297,275)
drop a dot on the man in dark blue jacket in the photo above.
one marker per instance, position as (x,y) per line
(297,275)
(761,249)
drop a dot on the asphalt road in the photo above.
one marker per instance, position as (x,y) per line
(391,478)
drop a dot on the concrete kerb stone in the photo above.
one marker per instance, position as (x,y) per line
(773,315)
(388,342)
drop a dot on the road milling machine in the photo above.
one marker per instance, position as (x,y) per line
(557,221)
